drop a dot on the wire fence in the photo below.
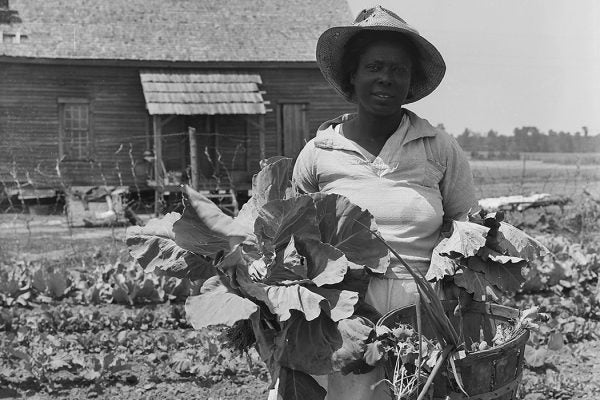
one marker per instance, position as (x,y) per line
(42,189)
(26,186)
(31,213)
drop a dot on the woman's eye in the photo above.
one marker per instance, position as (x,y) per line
(400,70)
(373,67)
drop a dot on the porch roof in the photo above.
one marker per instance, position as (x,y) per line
(201,93)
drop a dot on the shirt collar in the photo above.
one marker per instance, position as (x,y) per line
(328,138)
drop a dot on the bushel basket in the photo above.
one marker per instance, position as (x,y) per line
(494,373)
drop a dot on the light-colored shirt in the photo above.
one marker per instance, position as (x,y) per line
(420,178)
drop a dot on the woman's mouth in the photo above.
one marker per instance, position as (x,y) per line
(384,96)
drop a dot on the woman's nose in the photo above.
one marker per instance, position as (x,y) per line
(385,76)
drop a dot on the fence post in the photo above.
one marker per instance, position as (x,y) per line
(524,168)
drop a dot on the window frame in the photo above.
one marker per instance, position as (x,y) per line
(63,154)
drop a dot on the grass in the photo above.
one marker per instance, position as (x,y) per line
(509,177)
(565,158)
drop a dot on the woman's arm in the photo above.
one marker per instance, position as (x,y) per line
(457,187)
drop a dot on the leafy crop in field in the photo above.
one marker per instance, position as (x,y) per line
(59,346)
(24,284)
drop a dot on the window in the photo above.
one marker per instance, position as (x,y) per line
(75,136)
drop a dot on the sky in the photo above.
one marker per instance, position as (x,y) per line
(510,63)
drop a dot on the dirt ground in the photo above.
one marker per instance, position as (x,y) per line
(50,237)
(570,373)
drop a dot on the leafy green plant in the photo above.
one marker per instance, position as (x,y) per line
(15,287)
(295,265)
(407,356)
(51,284)
(98,367)
(484,257)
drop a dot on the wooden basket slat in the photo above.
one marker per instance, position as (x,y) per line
(506,369)
(488,327)
(477,377)
(471,328)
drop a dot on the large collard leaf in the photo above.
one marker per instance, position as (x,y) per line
(297,385)
(340,303)
(346,226)
(230,263)
(441,266)
(278,220)
(265,345)
(204,228)
(487,253)
(325,265)
(514,242)
(305,261)
(288,267)
(217,305)
(465,241)
(311,263)
(321,346)
(153,246)
(281,300)
(308,345)
(272,182)
(355,280)
(508,277)
(355,332)
(476,283)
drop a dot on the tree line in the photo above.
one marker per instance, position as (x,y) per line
(527,139)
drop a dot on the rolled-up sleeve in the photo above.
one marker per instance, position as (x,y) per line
(304,176)
(457,187)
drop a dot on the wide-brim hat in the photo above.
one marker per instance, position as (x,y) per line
(332,43)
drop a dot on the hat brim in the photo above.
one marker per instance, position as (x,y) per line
(331,46)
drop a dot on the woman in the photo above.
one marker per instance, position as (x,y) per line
(409,175)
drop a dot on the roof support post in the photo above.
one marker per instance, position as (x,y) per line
(261,136)
(158,178)
(215,127)
(193,157)
(247,144)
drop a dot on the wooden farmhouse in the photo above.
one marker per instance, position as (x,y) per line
(138,92)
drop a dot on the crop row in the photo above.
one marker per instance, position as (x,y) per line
(64,318)
(111,353)
(23,284)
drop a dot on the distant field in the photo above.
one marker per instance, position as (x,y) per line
(507,177)
(565,158)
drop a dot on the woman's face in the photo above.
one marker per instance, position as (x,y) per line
(382,78)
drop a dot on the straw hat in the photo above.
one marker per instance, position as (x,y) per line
(331,46)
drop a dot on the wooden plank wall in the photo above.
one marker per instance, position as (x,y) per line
(29,122)
(297,86)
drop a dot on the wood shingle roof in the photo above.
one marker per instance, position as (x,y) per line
(201,93)
(170,30)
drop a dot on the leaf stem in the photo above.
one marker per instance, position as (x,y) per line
(440,361)
(433,306)
(420,333)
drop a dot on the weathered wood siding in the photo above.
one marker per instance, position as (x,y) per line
(29,122)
